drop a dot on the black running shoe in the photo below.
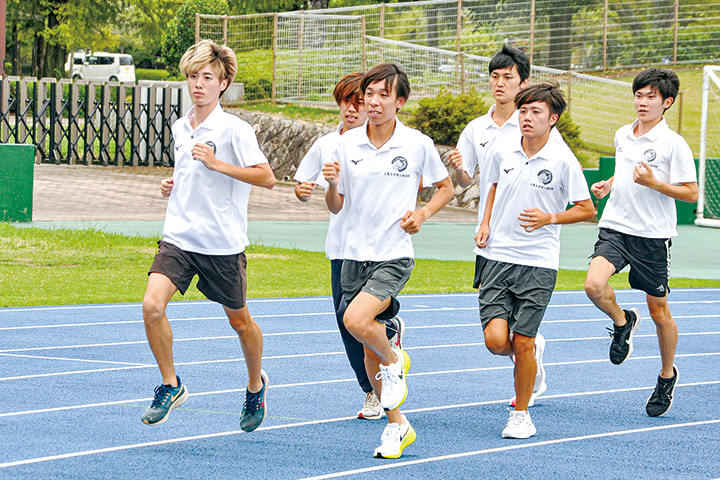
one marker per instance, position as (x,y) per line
(622,337)
(662,398)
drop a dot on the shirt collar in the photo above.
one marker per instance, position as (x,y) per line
(396,140)
(513,120)
(654,134)
(212,121)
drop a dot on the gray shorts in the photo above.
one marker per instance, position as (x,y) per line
(516,293)
(380,279)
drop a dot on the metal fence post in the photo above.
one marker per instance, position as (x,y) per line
(300,53)
(605,35)
(197,27)
(532,30)
(274,47)
(363,40)
(53,120)
(675,31)
(459,25)
(225,29)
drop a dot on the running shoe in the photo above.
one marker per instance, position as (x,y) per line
(254,409)
(371,408)
(394,387)
(519,425)
(540,386)
(396,325)
(662,398)
(394,440)
(621,346)
(166,399)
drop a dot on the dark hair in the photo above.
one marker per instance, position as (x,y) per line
(547,92)
(393,74)
(509,56)
(664,81)
(348,89)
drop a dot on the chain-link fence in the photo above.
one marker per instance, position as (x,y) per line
(445,44)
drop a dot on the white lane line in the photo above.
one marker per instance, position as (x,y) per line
(314,299)
(315,314)
(507,448)
(346,380)
(320,354)
(342,419)
(334,331)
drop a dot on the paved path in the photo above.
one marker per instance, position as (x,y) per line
(127,200)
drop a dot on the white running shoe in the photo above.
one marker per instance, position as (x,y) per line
(519,425)
(394,388)
(540,386)
(394,440)
(371,408)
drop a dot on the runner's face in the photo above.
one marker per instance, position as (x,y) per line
(649,104)
(352,115)
(381,105)
(536,119)
(205,86)
(505,84)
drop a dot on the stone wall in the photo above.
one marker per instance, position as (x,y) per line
(284,142)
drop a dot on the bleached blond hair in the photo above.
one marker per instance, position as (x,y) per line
(221,59)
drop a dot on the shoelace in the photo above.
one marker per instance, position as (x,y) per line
(371,400)
(615,334)
(387,376)
(391,432)
(252,402)
(663,391)
(161,393)
(515,419)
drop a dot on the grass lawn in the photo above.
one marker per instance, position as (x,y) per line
(66,267)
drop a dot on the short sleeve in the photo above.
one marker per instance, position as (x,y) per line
(433,169)
(245,145)
(467,149)
(682,164)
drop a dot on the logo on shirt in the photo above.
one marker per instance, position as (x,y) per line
(355,162)
(508,170)
(212,144)
(178,147)
(650,155)
(545,176)
(482,144)
(399,164)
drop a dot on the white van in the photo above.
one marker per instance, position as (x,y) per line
(101,66)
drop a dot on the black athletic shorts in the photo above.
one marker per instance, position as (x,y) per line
(222,278)
(479,264)
(649,259)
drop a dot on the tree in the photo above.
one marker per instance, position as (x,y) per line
(49,28)
(180,33)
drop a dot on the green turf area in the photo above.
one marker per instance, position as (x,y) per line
(64,267)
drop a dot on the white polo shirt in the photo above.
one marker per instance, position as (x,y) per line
(476,143)
(638,210)
(548,180)
(207,211)
(310,170)
(379,186)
